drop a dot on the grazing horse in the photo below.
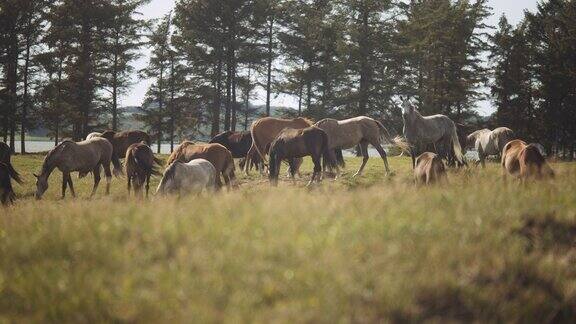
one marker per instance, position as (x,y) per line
(265,130)
(348,133)
(525,161)
(439,130)
(488,142)
(429,169)
(215,153)
(7,174)
(83,157)
(297,143)
(194,176)
(122,140)
(140,166)
(238,143)
(93,134)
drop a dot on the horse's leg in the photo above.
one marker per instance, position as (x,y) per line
(71,185)
(364,151)
(317,167)
(147,184)
(292,170)
(482,157)
(64,183)
(108,174)
(129,184)
(96,173)
(382,153)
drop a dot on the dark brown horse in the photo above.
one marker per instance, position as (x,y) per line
(265,130)
(238,143)
(7,174)
(292,144)
(122,140)
(140,166)
(215,153)
(525,161)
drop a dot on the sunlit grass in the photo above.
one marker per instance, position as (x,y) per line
(369,249)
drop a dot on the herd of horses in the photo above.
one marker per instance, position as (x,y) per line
(195,167)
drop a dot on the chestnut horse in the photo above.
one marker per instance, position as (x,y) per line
(525,161)
(215,153)
(297,143)
(429,169)
(265,130)
(140,166)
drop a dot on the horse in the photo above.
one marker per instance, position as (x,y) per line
(439,130)
(193,176)
(215,153)
(84,157)
(525,161)
(7,174)
(297,143)
(265,130)
(93,134)
(429,169)
(488,142)
(348,133)
(140,166)
(122,140)
(238,143)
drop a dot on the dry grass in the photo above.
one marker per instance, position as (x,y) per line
(351,250)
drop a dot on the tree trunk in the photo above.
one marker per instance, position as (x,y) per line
(160,109)
(25,99)
(115,94)
(172,110)
(234,103)
(364,66)
(12,81)
(218,99)
(269,64)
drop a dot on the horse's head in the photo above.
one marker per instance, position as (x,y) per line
(41,185)
(407,108)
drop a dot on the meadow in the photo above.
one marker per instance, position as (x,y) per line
(371,249)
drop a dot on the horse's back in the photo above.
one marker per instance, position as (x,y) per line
(200,173)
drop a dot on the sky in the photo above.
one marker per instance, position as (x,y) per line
(513,9)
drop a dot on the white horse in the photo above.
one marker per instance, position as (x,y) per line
(93,135)
(489,142)
(438,130)
(194,176)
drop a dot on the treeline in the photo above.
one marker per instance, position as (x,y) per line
(65,63)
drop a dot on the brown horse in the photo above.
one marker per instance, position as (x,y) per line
(265,130)
(525,161)
(429,169)
(140,166)
(298,143)
(5,157)
(238,143)
(7,195)
(215,153)
(122,140)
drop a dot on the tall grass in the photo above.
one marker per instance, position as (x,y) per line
(351,250)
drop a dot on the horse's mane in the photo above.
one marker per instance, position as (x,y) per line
(307,120)
(178,152)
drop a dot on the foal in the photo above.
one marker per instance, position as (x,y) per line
(140,166)
(429,169)
(525,161)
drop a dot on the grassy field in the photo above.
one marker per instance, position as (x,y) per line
(372,249)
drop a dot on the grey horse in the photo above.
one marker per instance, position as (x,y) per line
(191,177)
(421,131)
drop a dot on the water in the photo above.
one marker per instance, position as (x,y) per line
(42,146)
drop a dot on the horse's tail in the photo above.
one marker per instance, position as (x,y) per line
(457,148)
(13,173)
(255,145)
(401,143)
(384,134)
(229,170)
(339,158)
(274,163)
(328,155)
